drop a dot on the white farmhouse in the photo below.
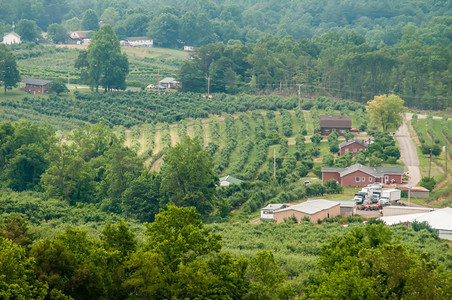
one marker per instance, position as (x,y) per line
(11,38)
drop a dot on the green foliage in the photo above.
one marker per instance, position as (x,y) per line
(188,178)
(58,86)
(102,63)
(428,182)
(9,75)
(366,263)
(28,30)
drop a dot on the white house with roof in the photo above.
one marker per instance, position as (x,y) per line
(439,219)
(11,38)
(170,82)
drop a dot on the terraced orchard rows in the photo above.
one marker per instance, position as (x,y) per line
(242,132)
(244,145)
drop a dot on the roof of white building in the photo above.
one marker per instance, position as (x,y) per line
(437,219)
(311,207)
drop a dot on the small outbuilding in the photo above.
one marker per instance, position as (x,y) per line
(227,180)
(416,191)
(140,41)
(315,210)
(352,146)
(170,82)
(268,211)
(36,85)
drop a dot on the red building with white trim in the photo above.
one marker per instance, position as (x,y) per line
(36,86)
(352,146)
(360,175)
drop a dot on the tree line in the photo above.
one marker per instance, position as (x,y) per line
(196,23)
(183,258)
(339,65)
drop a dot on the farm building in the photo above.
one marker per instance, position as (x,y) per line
(417,191)
(189,48)
(268,211)
(11,38)
(439,219)
(348,207)
(79,37)
(170,82)
(36,85)
(360,175)
(352,146)
(227,180)
(314,210)
(393,210)
(339,124)
(140,41)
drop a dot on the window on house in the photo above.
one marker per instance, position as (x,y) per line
(370,179)
(357,179)
(386,178)
(364,179)
(354,150)
(346,150)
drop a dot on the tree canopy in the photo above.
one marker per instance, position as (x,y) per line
(386,112)
(9,74)
(103,63)
(188,177)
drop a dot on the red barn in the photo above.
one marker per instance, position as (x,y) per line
(340,124)
(36,85)
(359,175)
(352,146)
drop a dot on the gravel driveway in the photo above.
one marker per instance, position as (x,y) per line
(408,152)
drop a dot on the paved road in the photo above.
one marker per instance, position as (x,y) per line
(408,152)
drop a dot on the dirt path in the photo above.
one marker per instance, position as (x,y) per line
(408,152)
(157,164)
(128,140)
(174,135)
(157,143)
(205,131)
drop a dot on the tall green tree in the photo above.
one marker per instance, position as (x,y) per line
(386,112)
(57,33)
(103,63)
(9,74)
(28,30)
(188,177)
(90,21)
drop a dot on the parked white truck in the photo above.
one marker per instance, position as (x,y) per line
(368,194)
(390,195)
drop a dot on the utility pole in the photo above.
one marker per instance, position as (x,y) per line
(158,81)
(446,157)
(274,163)
(299,96)
(68,77)
(208,87)
(430,166)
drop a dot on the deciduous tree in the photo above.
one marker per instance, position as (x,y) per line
(188,177)
(9,74)
(386,112)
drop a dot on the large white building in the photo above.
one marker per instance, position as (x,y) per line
(11,38)
(439,219)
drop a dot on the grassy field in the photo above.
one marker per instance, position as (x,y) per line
(58,62)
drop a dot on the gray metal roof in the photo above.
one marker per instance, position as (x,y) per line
(335,121)
(351,141)
(230,179)
(36,81)
(374,171)
(311,207)
(438,219)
